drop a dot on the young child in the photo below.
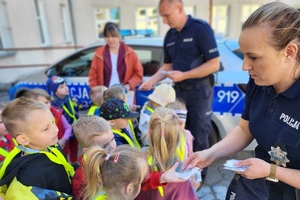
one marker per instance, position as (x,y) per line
(96,95)
(64,128)
(117,113)
(117,175)
(185,148)
(7,143)
(161,96)
(164,138)
(90,130)
(59,90)
(118,91)
(34,169)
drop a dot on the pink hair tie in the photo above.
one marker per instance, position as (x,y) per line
(107,157)
(117,157)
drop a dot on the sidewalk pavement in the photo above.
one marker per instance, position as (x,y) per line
(217,179)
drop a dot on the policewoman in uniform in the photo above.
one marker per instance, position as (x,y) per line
(190,57)
(270,42)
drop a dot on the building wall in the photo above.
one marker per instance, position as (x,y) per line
(25,33)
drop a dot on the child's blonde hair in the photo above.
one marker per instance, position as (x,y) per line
(115,91)
(164,137)
(112,172)
(88,127)
(15,113)
(97,94)
(179,108)
(36,93)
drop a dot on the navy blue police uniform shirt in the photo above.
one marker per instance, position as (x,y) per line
(274,119)
(182,48)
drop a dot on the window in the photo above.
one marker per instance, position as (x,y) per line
(150,57)
(77,65)
(247,10)
(146,18)
(5,31)
(65,24)
(103,15)
(189,10)
(41,22)
(220,20)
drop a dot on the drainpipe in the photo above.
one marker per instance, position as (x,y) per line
(72,23)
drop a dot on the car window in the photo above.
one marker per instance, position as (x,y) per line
(238,53)
(150,57)
(77,65)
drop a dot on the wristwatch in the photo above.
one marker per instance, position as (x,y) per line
(272,176)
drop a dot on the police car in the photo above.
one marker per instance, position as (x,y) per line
(230,81)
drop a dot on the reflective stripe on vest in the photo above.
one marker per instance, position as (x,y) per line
(133,134)
(180,150)
(92,110)
(72,115)
(4,152)
(123,135)
(56,156)
(150,109)
(100,196)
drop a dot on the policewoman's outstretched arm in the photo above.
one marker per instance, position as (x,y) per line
(233,142)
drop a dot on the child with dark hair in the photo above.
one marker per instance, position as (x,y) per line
(117,113)
(118,91)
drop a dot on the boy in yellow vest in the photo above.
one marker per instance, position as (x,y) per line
(96,95)
(34,169)
(117,113)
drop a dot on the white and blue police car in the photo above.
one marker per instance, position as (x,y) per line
(230,81)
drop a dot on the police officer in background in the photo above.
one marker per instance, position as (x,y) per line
(190,58)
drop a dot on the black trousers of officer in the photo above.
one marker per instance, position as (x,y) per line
(198,102)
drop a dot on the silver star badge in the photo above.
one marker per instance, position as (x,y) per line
(278,156)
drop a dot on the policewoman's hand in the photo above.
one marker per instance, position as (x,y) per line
(257,168)
(200,159)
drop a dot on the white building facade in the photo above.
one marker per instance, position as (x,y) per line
(35,33)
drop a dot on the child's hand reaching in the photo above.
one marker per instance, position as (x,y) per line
(169,175)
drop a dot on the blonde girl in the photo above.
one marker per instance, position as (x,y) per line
(114,176)
(164,137)
(185,148)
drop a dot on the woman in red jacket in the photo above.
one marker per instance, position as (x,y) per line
(115,62)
